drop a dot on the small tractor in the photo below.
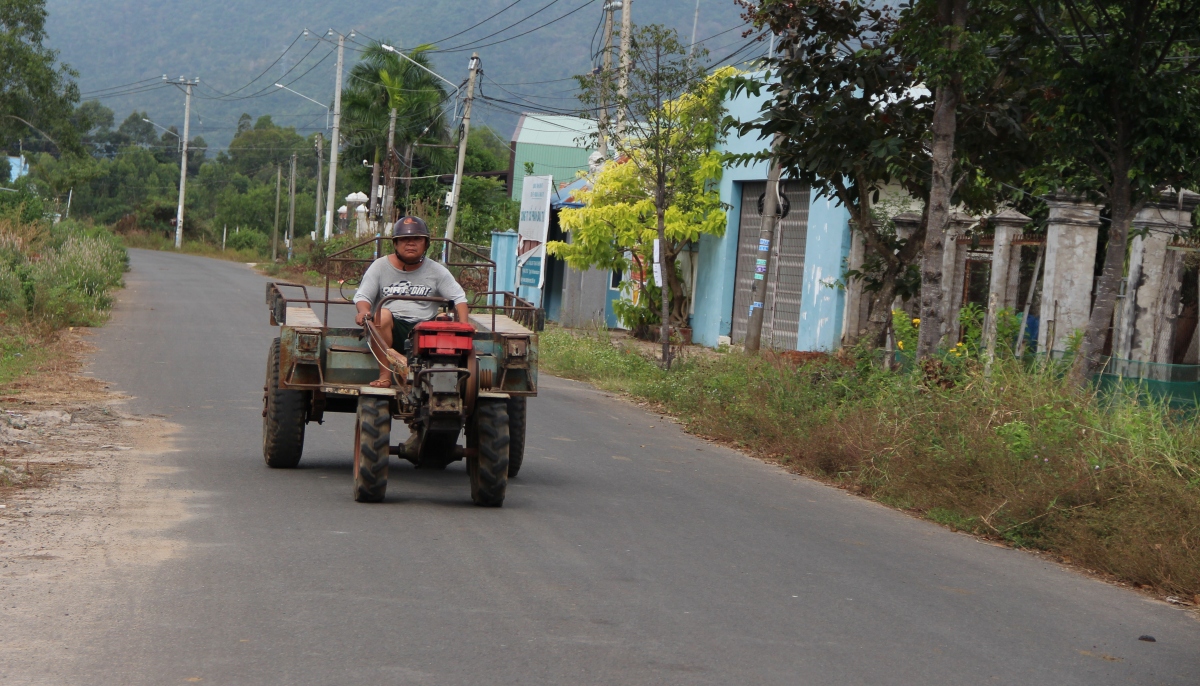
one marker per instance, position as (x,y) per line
(473,378)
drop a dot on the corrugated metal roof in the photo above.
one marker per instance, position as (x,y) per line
(554,129)
(563,163)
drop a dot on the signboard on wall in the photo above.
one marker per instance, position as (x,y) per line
(532,227)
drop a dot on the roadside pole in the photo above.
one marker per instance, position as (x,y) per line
(762,265)
(292,210)
(331,194)
(606,71)
(275,232)
(187,119)
(626,39)
(224,233)
(473,69)
(320,146)
(389,183)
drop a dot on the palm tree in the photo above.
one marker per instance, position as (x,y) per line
(382,81)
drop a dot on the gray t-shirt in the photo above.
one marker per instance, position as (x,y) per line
(431,279)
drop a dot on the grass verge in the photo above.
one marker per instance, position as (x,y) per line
(1110,483)
(155,241)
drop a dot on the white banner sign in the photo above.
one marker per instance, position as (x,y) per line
(533,227)
(658,274)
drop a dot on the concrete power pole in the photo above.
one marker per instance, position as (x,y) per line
(606,70)
(331,196)
(292,209)
(766,234)
(187,119)
(626,39)
(695,23)
(320,146)
(473,69)
(275,232)
(389,184)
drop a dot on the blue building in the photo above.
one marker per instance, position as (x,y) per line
(804,300)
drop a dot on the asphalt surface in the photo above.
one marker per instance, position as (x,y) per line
(627,552)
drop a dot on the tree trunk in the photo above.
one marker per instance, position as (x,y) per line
(659,202)
(1120,200)
(952,15)
(670,258)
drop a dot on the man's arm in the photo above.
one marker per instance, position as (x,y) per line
(366,294)
(462,313)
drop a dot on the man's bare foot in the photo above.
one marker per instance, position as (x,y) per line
(383,382)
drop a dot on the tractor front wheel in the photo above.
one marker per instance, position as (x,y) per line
(372,439)
(487,454)
(283,418)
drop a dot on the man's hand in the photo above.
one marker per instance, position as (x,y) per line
(364,312)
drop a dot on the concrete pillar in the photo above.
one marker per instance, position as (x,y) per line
(854,320)
(1007,226)
(954,275)
(1071,232)
(1146,328)
(907,224)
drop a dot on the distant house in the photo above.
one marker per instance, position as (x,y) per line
(558,146)
(804,303)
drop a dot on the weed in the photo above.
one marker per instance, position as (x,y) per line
(1111,481)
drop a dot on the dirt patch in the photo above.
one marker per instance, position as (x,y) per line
(84,503)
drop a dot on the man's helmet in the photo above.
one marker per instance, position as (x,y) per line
(410,226)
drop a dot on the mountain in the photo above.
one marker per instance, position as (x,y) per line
(228,44)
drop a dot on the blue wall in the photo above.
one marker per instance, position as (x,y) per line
(828,244)
(822,301)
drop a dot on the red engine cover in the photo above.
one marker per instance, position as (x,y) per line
(444,338)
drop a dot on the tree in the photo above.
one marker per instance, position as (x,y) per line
(382,81)
(37,94)
(671,115)
(848,105)
(1117,108)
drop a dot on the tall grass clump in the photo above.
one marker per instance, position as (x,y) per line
(1109,481)
(54,276)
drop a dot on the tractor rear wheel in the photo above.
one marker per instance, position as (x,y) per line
(516,435)
(372,439)
(487,455)
(283,418)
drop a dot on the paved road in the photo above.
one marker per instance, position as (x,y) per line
(626,553)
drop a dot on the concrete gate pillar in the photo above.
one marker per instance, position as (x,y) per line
(906,224)
(1071,234)
(1145,331)
(954,276)
(854,320)
(1006,268)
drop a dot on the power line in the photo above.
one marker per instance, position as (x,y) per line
(505,9)
(264,71)
(121,87)
(524,33)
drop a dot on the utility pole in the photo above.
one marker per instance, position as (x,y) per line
(766,234)
(472,70)
(275,232)
(695,22)
(292,209)
(320,146)
(606,71)
(389,183)
(183,141)
(626,39)
(331,195)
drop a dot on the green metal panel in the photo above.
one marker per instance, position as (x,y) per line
(560,162)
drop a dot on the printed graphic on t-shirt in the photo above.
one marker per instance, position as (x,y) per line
(407,288)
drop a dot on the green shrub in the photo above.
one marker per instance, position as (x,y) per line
(72,284)
(251,240)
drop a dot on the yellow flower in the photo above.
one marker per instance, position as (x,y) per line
(900,344)
(916,321)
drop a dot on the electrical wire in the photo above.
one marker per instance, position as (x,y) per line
(269,67)
(121,87)
(524,33)
(456,35)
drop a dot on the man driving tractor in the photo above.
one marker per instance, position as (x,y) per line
(405,272)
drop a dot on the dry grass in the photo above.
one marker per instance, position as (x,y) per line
(1110,483)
